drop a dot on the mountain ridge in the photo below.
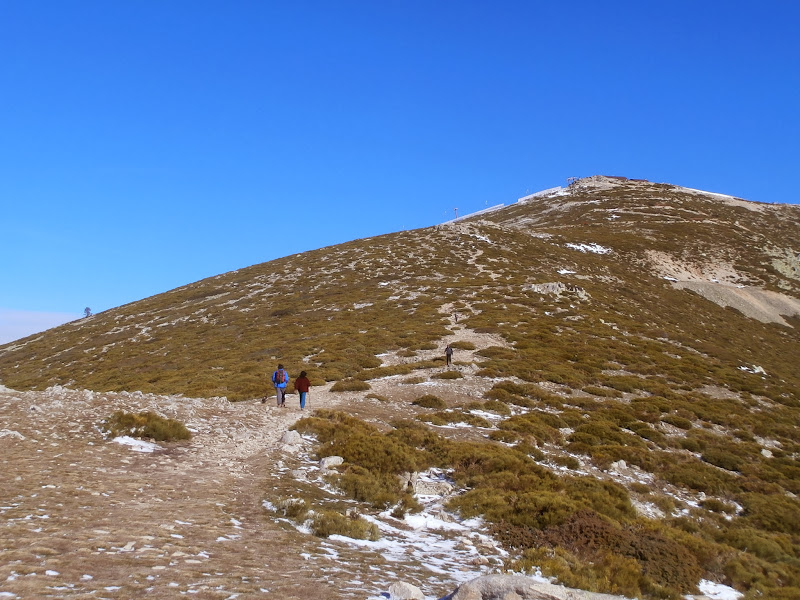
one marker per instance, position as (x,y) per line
(611,417)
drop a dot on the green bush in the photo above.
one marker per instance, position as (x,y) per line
(430,401)
(774,512)
(447,375)
(326,523)
(379,490)
(723,459)
(680,422)
(146,425)
(350,385)
(454,416)
(463,345)
(295,509)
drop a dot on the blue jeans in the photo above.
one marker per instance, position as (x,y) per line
(303,399)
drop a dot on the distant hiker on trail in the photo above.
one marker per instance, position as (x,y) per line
(301,384)
(448,354)
(279,379)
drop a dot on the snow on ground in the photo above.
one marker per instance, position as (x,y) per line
(595,248)
(717,591)
(136,444)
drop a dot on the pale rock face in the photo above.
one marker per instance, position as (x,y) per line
(518,587)
(432,488)
(405,591)
(292,438)
(330,461)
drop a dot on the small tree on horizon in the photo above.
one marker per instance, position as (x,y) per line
(87,312)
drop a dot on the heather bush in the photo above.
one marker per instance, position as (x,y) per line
(455,416)
(146,425)
(463,345)
(699,476)
(776,512)
(534,425)
(350,385)
(326,523)
(295,509)
(677,421)
(447,375)
(430,401)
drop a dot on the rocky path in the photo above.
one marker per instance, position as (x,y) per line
(85,517)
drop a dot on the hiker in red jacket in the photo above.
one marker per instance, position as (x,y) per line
(302,384)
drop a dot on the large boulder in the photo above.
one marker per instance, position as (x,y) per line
(405,591)
(518,587)
(292,438)
(329,462)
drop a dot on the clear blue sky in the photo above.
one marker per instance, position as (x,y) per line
(148,144)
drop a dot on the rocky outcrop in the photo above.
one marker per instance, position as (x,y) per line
(405,591)
(518,587)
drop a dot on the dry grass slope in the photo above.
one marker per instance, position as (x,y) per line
(613,371)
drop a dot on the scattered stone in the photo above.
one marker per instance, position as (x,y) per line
(405,591)
(518,587)
(330,461)
(432,488)
(292,438)
(408,479)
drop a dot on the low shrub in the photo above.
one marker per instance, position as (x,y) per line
(602,391)
(717,505)
(495,406)
(455,416)
(463,345)
(700,476)
(723,459)
(147,425)
(350,385)
(379,490)
(677,421)
(295,509)
(774,512)
(377,397)
(534,424)
(447,375)
(507,437)
(326,523)
(430,401)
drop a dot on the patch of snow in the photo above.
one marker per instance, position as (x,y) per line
(554,191)
(594,248)
(136,445)
(754,369)
(566,272)
(717,591)
(9,433)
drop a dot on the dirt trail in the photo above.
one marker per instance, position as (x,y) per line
(85,517)
(82,516)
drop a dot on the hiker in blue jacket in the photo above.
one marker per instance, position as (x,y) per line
(279,379)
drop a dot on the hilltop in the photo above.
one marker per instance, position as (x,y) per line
(625,370)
